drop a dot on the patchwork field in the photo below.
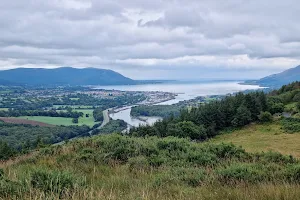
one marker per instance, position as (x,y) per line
(89,121)
(14,120)
(50,120)
(267,137)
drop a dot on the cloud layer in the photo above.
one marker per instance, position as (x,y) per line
(153,39)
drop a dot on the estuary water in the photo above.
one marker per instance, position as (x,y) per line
(185,91)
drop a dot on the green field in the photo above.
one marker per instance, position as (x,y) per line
(263,137)
(89,121)
(50,120)
(5,109)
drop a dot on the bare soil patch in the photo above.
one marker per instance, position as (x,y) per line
(14,120)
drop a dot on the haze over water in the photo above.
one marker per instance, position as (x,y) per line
(185,90)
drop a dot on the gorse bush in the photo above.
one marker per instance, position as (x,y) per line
(265,117)
(292,173)
(275,157)
(248,173)
(291,125)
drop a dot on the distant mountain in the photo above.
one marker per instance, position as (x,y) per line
(277,80)
(63,76)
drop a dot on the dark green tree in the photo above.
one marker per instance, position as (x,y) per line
(242,116)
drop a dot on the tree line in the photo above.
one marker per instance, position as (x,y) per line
(50,113)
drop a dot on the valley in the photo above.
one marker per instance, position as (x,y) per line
(85,142)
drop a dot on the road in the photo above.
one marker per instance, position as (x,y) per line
(105,118)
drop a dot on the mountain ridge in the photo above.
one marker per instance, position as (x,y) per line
(63,76)
(279,79)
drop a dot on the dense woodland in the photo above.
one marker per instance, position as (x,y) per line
(25,137)
(50,113)
(156,110)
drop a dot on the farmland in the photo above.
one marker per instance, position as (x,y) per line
(84,120)
(50,120)
(13,120)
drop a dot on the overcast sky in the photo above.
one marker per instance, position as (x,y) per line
(153,39)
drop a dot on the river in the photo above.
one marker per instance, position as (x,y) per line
(185,91)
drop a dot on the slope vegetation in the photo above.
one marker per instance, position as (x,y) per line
(263,137)
(121,167)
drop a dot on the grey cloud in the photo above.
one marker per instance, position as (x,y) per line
(157,35)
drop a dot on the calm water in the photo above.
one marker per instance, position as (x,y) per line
(125,115)
(184,90)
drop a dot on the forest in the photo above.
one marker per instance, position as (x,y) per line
(50,113)
(27,137)
(156,110)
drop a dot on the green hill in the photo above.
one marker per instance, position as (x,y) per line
(63,76)
(277,80)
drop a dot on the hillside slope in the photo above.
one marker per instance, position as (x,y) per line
(63,76)
(262,137)
(121,167)
(277,80)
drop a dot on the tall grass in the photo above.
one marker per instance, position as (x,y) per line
(118,167)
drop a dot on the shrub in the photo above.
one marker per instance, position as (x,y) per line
(187,129)
(117,147)
(248,173)
(292,173)
(277,108)
(202,158)
(75,120)
(227,151)
(265,117)
(156,161)
(172,144)
(291,125)
(276,157)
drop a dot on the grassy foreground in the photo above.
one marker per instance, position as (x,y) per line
(120,167)
(263,137)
